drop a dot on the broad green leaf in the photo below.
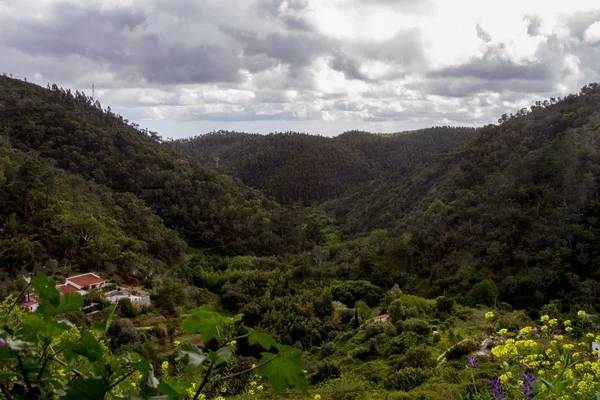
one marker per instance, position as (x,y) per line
(174,388)
(287,369)
(71,301)
(6,353)
(86,389)
(5,375)
(87,347)
(221,355)
(204,321)
(101,327)
(45,289)
(194,354)
(34,323)
(266,341)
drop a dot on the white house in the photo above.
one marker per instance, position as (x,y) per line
(78,282)
(31,302)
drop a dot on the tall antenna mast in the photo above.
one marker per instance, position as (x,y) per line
(93,96)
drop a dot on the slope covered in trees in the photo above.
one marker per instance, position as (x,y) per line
(52,218)
(519,203)
(299,167)
(209,210)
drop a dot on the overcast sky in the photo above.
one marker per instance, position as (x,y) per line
(186,67)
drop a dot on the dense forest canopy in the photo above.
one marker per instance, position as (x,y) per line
(309,237)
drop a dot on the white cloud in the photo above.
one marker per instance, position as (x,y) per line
(592,33)
(322,66)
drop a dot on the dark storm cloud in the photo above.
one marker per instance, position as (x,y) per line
(494,66)
(467,86)
(350,67)
(115,39)
(293,48)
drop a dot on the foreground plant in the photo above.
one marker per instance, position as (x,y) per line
(45,356)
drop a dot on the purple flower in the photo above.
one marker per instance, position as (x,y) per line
(526,386)
(2,342)
(496,389)
(472,362)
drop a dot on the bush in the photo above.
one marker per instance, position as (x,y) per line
(484,292)
(418,357)
(403,342)
(407,378)
(328,349)
(326,370)
(417,326)
(444,305)
(160,331)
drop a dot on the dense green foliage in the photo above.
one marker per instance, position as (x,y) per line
(505,216)
(209,210)
(297,167)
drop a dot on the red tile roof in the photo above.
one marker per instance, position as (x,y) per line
(66,288)
(86,279)
(33,299)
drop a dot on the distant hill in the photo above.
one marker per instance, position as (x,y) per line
(298,167)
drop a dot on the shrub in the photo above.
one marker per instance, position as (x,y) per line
(326,370)
(403,342)
(417,326)
(328,349)
(418,357)
(407,378)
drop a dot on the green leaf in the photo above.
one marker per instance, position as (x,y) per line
(174,388)
(221,355)
(102,327)
(71,301)
(204,321)
(194,354)
(34,323)
(86,389)
(287,369)
(45,289)
(148,378)
(5,375)
(266,341)
(87,347)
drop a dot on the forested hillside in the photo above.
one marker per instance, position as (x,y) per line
(503,216)
(209,210)
(518,203)
(52,218)
(298,167)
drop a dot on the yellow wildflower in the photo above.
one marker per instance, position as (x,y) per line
(250,391)
(260,387)
(176,343)
(525,330)
(232,343)
(164,365)
(317,396)
(489,315)
(253,383)
(502,331)
(580,313)
(568,329)
(568,322)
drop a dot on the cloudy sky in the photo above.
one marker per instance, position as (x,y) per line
(187,67)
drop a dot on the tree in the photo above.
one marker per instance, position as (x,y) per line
(484,293)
